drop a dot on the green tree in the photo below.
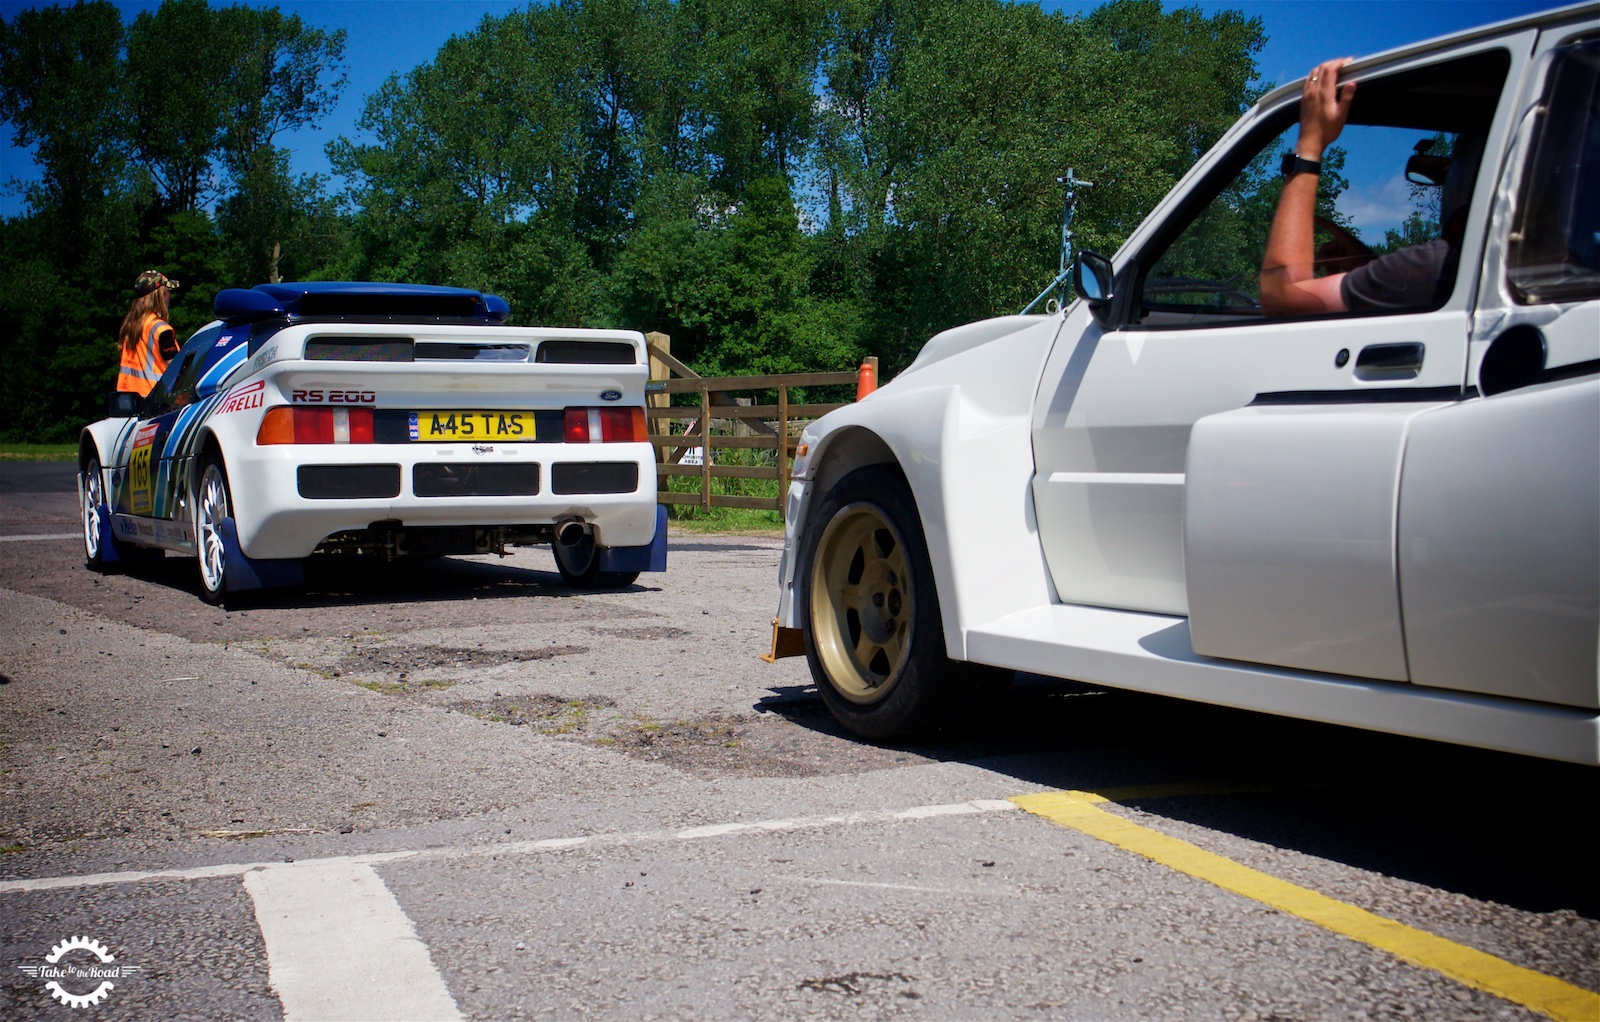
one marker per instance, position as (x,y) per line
(59,92)
(207,89)
(176,99)
(947,124)
(474,174)
(758,67)
(135,130)
(276,225)
(285,75)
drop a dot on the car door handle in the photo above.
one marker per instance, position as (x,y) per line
(1390,361)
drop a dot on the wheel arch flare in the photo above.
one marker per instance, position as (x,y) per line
(959,431)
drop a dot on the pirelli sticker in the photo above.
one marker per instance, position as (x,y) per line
(242,399)
(139,490)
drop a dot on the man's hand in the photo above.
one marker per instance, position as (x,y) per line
(1324,107)
(1289,281)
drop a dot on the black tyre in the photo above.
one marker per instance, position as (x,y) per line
(97,537)
(92,504)
(874,637)
(212,505)
(579,564)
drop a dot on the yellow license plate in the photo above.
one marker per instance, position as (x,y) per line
(494,427)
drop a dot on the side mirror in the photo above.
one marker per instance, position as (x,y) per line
(123,404)
(1094,278)
(1422,169)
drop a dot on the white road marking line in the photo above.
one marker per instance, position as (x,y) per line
(53,535)
(339,946)
(977,806)
(227,869)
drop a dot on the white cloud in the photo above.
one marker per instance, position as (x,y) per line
(1377,206)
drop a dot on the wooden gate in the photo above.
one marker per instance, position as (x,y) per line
(721,421)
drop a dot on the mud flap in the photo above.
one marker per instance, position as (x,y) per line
(244,573)
(786,642)
(651,557)
(109,553)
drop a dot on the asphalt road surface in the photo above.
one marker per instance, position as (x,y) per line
(458,789)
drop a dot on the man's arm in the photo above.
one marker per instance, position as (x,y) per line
(1289,283)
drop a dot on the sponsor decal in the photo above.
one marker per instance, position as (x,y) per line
(611,395)
(333,397)
(139,468)
(80,964)
(169,533)
(265,356)
(243,398)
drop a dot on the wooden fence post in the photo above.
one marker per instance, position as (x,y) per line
(705,447)
(659,370)
(755,427)
(783,450)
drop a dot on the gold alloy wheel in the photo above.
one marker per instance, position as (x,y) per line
(861,602)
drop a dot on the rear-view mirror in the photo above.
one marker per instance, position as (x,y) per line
(1422,169)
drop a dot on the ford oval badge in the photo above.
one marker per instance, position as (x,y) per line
(611,395)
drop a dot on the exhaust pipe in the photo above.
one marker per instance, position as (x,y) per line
(570,531)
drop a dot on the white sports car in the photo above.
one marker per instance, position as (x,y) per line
(1385,518)
(377,420)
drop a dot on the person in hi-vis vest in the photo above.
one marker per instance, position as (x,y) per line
(148,341)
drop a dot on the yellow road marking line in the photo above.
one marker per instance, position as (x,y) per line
(1080,810)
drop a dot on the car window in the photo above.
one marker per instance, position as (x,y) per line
(176,388)
(1554,253)
(1208,268)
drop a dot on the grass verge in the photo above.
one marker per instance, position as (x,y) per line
(38,452)
(692,518)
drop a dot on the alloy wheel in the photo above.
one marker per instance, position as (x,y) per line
(861,602)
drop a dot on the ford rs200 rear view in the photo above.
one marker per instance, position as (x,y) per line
(378,421)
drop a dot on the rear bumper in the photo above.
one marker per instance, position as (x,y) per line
(277,519)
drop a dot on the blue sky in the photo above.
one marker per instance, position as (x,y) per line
(389,36)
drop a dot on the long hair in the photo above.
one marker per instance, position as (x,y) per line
(154,302)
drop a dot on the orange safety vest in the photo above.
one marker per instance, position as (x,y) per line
(143,366)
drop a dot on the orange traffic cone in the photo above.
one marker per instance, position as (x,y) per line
(866,380)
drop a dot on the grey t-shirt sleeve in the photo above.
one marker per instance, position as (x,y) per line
(1407,278)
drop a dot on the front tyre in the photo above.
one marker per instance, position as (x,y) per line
(102,551)
(579,565)
(874,637)
(92,504)
(212,506)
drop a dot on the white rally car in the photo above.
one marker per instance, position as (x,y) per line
(378,420)
(1387,520)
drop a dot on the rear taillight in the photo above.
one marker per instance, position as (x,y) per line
(604,425)
(287,425)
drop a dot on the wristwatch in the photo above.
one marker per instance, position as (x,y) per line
(1294,163)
